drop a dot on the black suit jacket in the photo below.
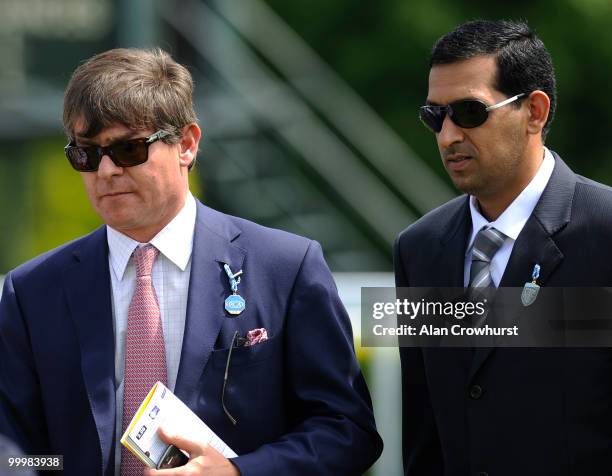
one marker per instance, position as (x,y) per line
(511,411)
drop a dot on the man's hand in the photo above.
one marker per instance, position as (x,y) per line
(204,460)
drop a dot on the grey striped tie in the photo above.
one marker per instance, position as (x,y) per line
(486,244)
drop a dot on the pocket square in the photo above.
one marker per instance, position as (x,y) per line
(256,336)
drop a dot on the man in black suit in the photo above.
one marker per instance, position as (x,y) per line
(504,411)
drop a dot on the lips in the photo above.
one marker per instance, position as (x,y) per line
(457,162)
(113,194)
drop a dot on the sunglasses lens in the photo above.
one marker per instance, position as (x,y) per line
(468,114)
(130,153)
(82,159)
(432,117)
(123,154)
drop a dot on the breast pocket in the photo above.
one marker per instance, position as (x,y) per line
(254,391)
(246,356)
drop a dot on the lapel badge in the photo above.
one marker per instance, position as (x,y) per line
(531,289)
(234,303)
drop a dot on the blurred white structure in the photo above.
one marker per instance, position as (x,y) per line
(382,371)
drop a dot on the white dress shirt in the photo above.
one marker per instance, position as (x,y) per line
(510,222)
(170,274)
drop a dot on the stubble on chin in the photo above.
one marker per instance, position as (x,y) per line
(474,184)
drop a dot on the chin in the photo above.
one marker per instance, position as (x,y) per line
(471,187)
(464,188)
(120,223)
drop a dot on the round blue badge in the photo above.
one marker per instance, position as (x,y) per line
(234,304)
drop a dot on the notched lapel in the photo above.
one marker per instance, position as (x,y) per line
(87,288)
(536,244)
(448,267)
(208,288)
(533,246)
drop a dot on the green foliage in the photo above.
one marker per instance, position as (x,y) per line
(55,201)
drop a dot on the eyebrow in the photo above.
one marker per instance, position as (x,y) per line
(467,98)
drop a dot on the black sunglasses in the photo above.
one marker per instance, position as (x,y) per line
(466,113)
(123,154)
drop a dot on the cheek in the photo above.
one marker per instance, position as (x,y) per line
(144,181)
(154,188)
(157,183)
(167,180)
(505,131)
(89,181)
(487,143)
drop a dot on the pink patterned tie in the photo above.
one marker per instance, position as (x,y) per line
(145,353)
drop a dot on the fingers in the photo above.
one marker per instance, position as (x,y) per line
(193,448)
(195,467)
(213,464)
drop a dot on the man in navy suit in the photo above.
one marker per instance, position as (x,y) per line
(504,411)
(293,400)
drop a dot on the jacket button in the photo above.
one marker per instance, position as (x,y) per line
(476,392)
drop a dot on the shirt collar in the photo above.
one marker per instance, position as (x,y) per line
(174,241)
(513,219)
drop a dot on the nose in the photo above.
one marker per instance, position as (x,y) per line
(449,134)
(107,168)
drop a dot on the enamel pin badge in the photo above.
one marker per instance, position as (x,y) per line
(234,304)
(531,289)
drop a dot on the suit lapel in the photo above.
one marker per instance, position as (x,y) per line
(208,288)
(535,244)
(449,264)
(448,271)
(89,300)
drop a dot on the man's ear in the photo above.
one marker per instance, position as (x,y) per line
(538,103)
(188,145)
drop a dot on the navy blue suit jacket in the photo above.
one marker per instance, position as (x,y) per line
(511,411)
(300,399)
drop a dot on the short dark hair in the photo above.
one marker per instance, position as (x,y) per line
(140,89)
(523,62)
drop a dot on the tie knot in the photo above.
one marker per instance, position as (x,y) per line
(486,244)
(144,258)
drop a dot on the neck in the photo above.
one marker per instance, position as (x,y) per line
(494,204)
(144,236)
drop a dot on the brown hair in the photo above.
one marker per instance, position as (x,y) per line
(140,89)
